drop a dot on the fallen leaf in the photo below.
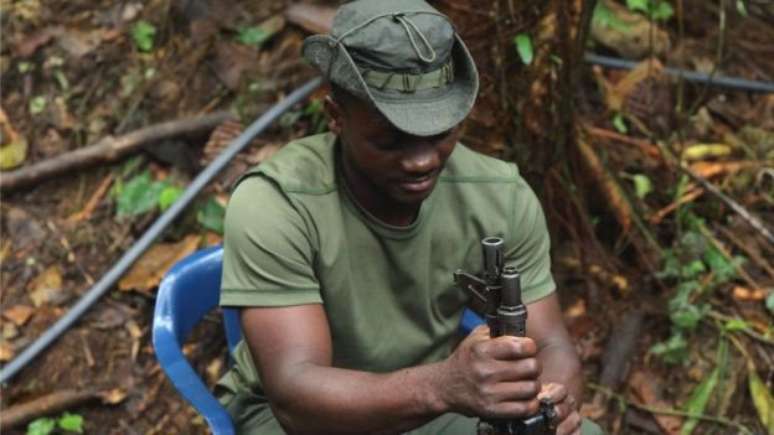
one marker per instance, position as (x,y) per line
(46,288)
(214,369)
(701,395)
(6,351)
(712,169)
(10,331)
(148,271)
(744,294)
(13,150)
(312,18)
(762,399)
(642,385)
(30,43)
(19,314)
(575,310)
(134,329)
(6,247)
(113,397)
(704,151)
(78,43)
(212,238)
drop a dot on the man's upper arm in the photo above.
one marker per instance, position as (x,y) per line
(268,257)
(529,251)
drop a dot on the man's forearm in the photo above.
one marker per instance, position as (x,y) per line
(561,364)
(333,400)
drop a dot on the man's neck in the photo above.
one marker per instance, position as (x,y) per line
(376,202)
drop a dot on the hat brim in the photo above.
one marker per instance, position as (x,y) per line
(420,113)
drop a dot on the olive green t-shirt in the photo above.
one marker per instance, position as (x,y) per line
(294,235)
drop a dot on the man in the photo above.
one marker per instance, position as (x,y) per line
(340,251)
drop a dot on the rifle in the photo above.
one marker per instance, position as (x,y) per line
(497,295)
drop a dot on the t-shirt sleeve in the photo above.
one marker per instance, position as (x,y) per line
(530,252)
(267,254)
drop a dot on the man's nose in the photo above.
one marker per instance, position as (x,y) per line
(420,159)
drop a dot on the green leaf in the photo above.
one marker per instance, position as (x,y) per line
(642,185)
(741,8)
(692,269)
(701,395)
(688,316)
(253,36)
(638,5)
(71,422)
(619,123)
(736,325)
(762,399)
(168,196)
(604,17)
(524,47)
(139,195)
(143,34)
(210,216)
(37,104)
(41,426)
(672,351)
(662,11)
(770,301)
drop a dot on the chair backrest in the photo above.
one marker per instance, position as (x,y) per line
(188,291)
(191,289)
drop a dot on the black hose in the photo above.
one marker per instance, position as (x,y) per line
(147,239)
(693,76)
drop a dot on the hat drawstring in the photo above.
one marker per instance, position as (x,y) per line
(403,20)
(406,23)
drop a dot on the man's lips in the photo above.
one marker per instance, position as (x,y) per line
(419,184)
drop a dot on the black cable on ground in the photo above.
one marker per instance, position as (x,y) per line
(717,80)
(114,274)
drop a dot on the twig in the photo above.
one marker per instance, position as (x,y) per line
(108,149)
(93,201)
(738,208)
(760,262)
(724,252)
(722,317)
(689,196)
(48,404)
(646,146)
(720,420)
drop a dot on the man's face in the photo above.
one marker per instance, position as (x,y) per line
(383,162)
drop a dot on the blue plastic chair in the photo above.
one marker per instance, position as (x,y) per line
(188,291)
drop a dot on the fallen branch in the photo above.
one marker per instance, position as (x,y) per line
(621,400)
(49,404)
(108,149)
(738,208)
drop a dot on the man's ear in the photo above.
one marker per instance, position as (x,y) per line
(335,115)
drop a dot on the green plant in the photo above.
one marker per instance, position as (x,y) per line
(523,44)
(253,35)
(697,267)
(139,195)
(604,17)
(143,34)
(67,422)
(659,10)
(210,215)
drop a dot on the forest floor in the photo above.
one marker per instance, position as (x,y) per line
(699,332)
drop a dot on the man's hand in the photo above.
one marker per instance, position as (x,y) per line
(567,417)
(491,378)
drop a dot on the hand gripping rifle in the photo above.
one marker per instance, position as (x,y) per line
(497,295)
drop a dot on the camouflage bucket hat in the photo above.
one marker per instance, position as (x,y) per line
(404,57)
